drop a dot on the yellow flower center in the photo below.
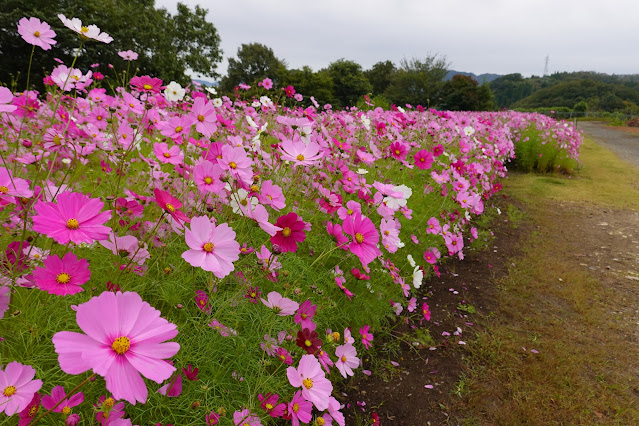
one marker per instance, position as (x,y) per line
(208,180)
(147,87)
(255,188)
(167,155)
(66,410)
(269,406)
(359,238)
(308,343)
(108,403)
(208,247)
(73,223)
(33,410)
(304,316)
(63,278)
(300,157)
(170,207)
(4,189)
(202,302)
(84,30)
(253,295)
(308,383)
(178,129)
(57,140)
(167,270)
(296,407)
(121,345)
(37,33)
(343,359)
(244,202)
(320,421)
(200,117)
(397,152)
(336,336)
(286,231)
(9,390)
(349,212)
(386,233)
(99,118)
(233,165)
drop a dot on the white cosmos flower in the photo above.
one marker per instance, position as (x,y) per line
(361,171)
(91,32)
(468,130)
(396,203)
(411,261)
(241,197)
(174,92)
(418,277)
(217,102)
(211,90)
(366,122)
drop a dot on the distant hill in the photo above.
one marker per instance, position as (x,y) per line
(481,78)
(593,91)
(206,82)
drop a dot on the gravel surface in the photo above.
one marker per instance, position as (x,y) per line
(624,144)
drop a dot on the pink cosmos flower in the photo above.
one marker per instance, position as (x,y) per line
(292,232)
(213,248)
(289,90)
(333,409)
(364,238)
(202,301)
(17,387)
(300,409)
(246,418)
(166,155)
(58,394)
(171,205)
(127,246)
(237,163)
(311,378)
(390,235)
(75,218)
(336,232)
(267,83)
(5,299)
(36,32)
(177,127)
(6,97)
(125,337)
(173,388)
(399,150)
(299,153)
(351,208)
(146,84)
(367,337)
(108,410)
(221,328)
(91,32)
(205,118)
(454,242)
(30,412)
(346,359)
(433,226)
(272,195)
(11,186)
(423,159)
(270,405)
(259,214)
(128,55)
(282,306)
(305,314)
(284,356)
(62,276)
(426,311)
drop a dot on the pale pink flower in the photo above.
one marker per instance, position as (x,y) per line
(17,387)
(36,32)
(5,100)
(125,337)
(166,155)
(91,32)
(346,359)
(282,306)
(128,55)
(207,177)
(213,248)
(301,154)
(311,378)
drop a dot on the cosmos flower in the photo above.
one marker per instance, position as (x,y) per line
(36,32)
(311,378)
(17,387)
(364,238)
(91,32)
(346,359)
(62,276)
(125,337)
(74,218)
(58,395)
(213,248)
(292,232)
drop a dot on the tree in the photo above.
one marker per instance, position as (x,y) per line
(380,76)
(418,81)
(168,45)
(309,83)
(349,82)
(463,93)
(254,63)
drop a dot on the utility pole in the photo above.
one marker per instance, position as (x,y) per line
(546,65)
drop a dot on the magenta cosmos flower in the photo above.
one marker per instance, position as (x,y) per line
(125,337)
(11,186)
(310,376)
(365,238)
(36,32)
(62,276)
(75,217)
(17,387)
(146,84)
(66,403)
(171,205)
(423,159)
(213,248)
(292,232)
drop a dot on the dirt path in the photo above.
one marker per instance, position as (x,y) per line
(622,141)
(564,282)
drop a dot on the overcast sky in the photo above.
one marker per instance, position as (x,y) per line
(479,36)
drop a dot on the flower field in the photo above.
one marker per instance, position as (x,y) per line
(174,257)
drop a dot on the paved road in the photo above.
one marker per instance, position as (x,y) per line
(624,144)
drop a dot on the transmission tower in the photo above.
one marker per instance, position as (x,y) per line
(546,65)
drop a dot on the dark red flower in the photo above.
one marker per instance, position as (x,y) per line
(308,340)
(292,232)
